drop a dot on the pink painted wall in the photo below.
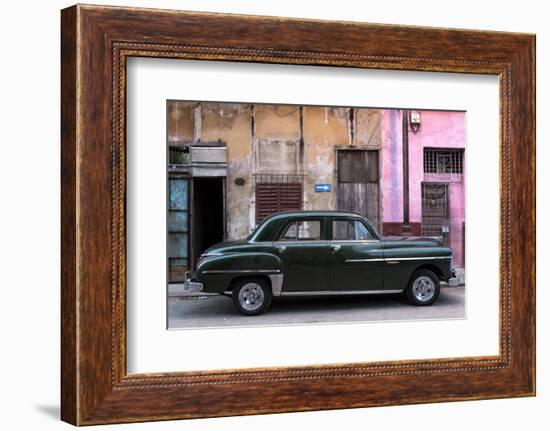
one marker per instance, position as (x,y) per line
(438,129)
(391,165)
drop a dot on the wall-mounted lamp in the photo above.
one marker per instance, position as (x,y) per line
(415,121)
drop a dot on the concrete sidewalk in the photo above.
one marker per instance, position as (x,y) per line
(202,311)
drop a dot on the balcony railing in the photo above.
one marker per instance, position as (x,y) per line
(178,155)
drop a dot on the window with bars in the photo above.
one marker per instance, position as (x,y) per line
(438,161)
(178,155)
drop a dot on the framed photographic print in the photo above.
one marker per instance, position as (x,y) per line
(324,214)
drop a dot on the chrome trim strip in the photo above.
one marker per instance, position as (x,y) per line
(339,292)
(211,254)
(374,259)
(388,259)
(302,242)
(395,259)
(241,271)
(355,241)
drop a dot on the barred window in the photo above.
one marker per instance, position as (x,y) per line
(442,161)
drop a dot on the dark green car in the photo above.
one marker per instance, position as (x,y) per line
(320,253)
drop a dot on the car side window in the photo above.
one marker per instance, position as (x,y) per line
(303,230)
(350,230)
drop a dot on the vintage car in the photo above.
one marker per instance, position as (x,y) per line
(320,253)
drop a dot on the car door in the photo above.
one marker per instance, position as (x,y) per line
(356,256)
(303,249)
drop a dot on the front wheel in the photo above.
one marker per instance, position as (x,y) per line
(423,288)
(251,296)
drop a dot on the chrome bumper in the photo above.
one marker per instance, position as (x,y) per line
(453,280)
(192,286)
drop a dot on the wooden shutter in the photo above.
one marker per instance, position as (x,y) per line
(277,197)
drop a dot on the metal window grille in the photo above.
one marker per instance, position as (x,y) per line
(442,161)
(435,210)
(178,155)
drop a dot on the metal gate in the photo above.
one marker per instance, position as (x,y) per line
(435,211)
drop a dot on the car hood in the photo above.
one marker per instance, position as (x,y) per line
(226,247)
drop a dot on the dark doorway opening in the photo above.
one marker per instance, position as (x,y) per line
(207,216)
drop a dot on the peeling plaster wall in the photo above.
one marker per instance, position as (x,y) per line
(181,121)
(391,163)
(274,139)
(230,123)
(277,122)
(368,128)
(324,129)
(277,145)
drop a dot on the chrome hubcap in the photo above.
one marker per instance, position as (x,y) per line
(423,288)
(251,296)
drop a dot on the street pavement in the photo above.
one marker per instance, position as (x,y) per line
(218,311)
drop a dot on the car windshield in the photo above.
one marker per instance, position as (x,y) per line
(257,228)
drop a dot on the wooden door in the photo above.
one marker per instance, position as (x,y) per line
(178,229)
(358,183)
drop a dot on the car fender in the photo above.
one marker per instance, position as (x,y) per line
(217,272)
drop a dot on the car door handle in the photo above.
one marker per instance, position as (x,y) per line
(281,248)
(334,248)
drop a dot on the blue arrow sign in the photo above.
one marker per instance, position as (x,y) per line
(322,188)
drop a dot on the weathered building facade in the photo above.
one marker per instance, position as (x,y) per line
(231,165)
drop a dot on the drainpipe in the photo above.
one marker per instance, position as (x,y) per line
(351,127)
(299,156)
(198,124)
(406,170)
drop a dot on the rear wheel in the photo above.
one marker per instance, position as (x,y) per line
(423,288)
(251,296)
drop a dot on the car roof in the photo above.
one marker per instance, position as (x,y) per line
(272,224)
(315,213)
